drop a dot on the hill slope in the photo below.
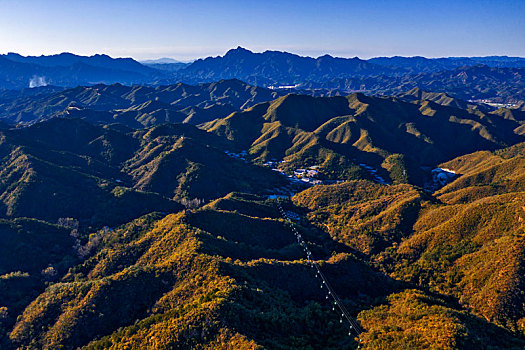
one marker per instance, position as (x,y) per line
(340,133)
(204,292)
(466,243)
(135,106)
(105,175)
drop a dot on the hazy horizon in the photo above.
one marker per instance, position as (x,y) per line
(254,51)
(187,31)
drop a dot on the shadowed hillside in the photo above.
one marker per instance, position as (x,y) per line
(105,176)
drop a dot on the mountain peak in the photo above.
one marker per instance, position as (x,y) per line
(238,51)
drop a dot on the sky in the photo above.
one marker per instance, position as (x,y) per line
(185,30)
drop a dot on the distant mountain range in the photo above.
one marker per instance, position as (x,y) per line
(286,68)
(478,82)
(418,64)
(499,78)
(166,64)
(163,60)
(134,106)
(66,69)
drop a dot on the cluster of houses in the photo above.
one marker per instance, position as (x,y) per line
(306,176)
(298,180)
(284,87)
(308,173)
(301,178)
(491,103)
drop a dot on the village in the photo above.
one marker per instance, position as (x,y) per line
(299,179)
(302,178)
(307,175)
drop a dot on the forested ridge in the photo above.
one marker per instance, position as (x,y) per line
(168,235)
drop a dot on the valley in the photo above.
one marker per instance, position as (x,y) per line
(149,228)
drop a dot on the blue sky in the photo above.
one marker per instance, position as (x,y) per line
(197,28)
